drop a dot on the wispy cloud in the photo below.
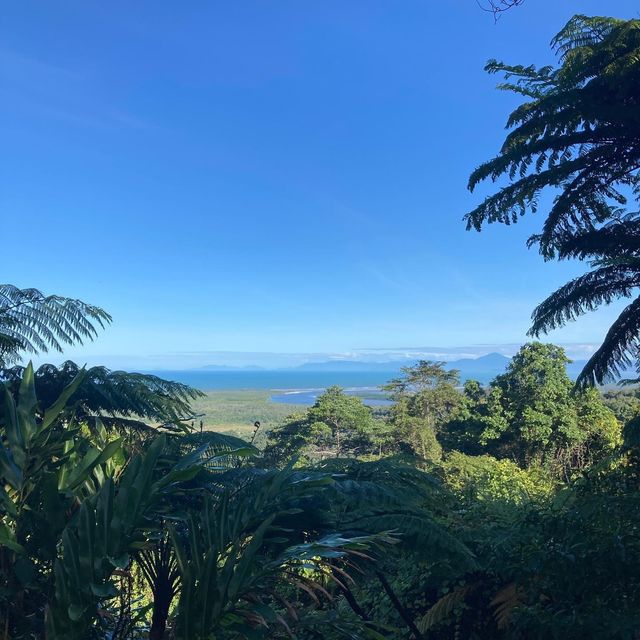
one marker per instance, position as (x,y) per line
(62,93)
(273,360)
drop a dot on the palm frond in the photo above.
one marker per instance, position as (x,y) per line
(577,131)
(505,602)
(619,238)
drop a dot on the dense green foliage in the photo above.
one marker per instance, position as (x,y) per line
(578,133)
(508,511)
(532,415)
(336,425)
(524,465)
(474,512)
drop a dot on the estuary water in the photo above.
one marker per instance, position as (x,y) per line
(288,386)
(282,380)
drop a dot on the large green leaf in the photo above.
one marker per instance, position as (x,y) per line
(54,411)
(83,469)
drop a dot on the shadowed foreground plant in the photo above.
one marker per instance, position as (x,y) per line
(243,565)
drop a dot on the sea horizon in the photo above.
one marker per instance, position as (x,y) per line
(277,380)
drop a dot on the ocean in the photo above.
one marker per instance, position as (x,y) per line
(293,387)
(285,380)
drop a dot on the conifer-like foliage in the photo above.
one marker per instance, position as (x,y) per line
(578,135)
(33,322)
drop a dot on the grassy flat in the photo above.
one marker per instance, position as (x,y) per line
(236,411)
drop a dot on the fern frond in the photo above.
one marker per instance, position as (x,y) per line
(112,393)
(504,603)
(33,322)
(443,608)
(585,293)
(620,346)
(577,130)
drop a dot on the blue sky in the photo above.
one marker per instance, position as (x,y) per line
(269,176)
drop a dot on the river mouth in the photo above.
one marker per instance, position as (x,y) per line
(371,396)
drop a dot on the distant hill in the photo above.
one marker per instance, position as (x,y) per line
(355,365)
(484,368)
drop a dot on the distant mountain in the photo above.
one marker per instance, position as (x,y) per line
(491,362)
(484,368)
(355,365)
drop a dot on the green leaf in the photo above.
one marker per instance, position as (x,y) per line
(75,612)
(59,405)
(106,590)
(8,539)
(25,571)
(91,459)
(27,406)
(121,562)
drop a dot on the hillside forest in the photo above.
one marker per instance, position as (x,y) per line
(469,512)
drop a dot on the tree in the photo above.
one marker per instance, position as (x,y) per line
(33,322)
(624,404)
(69,514)
(578,132)
(538,420)
(296,438)
(336,425)
(347,416)
(499,6)
(481,413)
(426,398)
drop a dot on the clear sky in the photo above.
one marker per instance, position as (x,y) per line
(269,176)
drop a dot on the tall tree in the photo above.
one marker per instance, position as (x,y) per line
(426,399)
(539,419)
(336,425)
(577,133)
(346,416)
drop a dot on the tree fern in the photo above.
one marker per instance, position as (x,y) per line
(114,395)
(33,322)
(441,611)
(577,133)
